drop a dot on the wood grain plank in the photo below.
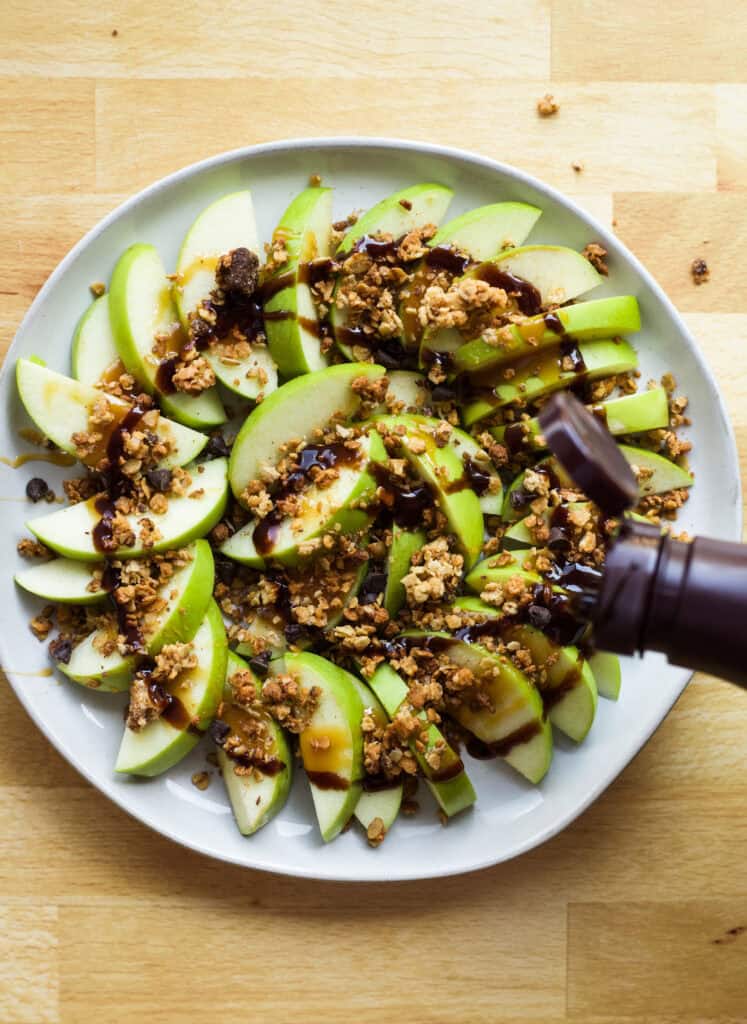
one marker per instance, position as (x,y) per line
(667,231)
(731,136)
(527,971)
(299,37)
(46,135)
(24,745)
(140,128)
(29,977)
(35,233)
(644,959)
(682,42)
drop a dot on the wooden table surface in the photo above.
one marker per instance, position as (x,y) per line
(638,911)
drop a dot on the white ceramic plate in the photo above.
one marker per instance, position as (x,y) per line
(511,816)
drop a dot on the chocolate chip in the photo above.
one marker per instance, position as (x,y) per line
(61,649)
(558,539)
(159,479)
(373,585)
(219,731)
(37,489)
(259,663)
(520,498)
(539,616)
(443,393)
(225,569)
(216,448)
(294,632)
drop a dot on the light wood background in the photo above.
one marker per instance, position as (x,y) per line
(636,912)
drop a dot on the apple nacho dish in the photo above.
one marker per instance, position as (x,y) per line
(315,521)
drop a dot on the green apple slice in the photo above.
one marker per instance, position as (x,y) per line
(62,580)
(257,797)
(488,571)
(341,506)
(484,478)
(295,410)
(396,215)
(629,414)
(558,274)
(291,320)
(334,769)
(586,321)
(94,356)
(60,407)
(141,306)
(404,545)
(444,471)
(407,387)
(225,225)
(542,374)
(69,531)
(400,212)
(482,234)
(520,536)
(487,231)
(607,673)
(384,802)
(569,692)
(449,784)
(514,724)
(195,699)
(656,474)
(187,594)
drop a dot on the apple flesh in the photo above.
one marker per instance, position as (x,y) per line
(196,695)
(629,414)
(94,355)
(62,580)
(568,691)
(227,224)
(60,407)
(335,766)
(381,803)
(257,797)
(482,234)
(656,474)
(187,595)
(404,545)
(607,673)
(295,410)
(341,506)
(291,320)
(586,321)
(520,536)
(443,470)
(514,722)
(141,306)
(396,215)
(408,389)
(70,531)
(449,784)
(537,376)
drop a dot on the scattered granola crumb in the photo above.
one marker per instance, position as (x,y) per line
(28,548)
(201,780)
(596,254)
(577,166)
(97,288)
(547,105)
(376,832)
(699,271)
(315,180)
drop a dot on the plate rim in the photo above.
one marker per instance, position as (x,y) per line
(613,244)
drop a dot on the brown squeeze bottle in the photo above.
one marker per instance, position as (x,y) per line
(687,599)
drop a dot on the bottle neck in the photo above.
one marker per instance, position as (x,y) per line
(685,599)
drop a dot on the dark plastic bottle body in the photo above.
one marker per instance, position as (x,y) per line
(685,599)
